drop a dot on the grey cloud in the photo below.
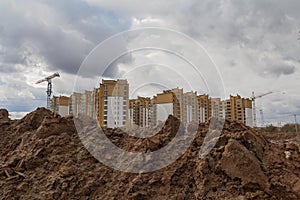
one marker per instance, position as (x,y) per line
(285,70)
(114,70)
(276,66)
(8,68)
(234,21)
(62,37)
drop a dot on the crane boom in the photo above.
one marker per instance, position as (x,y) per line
(49,87)
(48,78)
(262,95)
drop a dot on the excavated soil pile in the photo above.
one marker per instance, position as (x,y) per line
(4,116)
(42,157)
(284,138)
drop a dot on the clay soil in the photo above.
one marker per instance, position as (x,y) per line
(42,157)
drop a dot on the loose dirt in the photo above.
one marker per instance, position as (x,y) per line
(42,157)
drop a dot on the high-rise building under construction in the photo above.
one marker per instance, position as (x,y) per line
(111,103)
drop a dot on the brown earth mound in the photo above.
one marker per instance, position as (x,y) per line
(42,157)
(4,116)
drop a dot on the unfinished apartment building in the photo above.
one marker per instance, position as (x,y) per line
(75,104)
(204,108)
(60,105)
(139,112)
(111,103)
(82,103)
(190,107)
(183,106)
(169,103)
(153,111)
(217,108)
(240,109)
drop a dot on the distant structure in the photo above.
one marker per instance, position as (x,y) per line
(111,106)
(49,87)
(60,105)
(253,98)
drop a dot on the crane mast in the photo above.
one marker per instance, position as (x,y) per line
(49,86)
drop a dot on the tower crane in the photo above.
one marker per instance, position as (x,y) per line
(49,87)
(253,98)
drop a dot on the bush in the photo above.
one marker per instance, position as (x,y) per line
(289,128)
(271,128)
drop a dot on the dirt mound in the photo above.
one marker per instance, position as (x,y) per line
(4,116)
(44,158)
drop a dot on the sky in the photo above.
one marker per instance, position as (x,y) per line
(238,47)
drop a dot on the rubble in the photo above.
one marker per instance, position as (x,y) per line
(44,158)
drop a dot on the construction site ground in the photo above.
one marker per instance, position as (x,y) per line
(42,157)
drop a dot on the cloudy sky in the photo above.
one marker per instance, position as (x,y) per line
(243,46)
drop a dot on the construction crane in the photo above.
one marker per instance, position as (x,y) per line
(49,87)
(253,98)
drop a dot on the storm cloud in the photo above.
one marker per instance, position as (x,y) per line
(59,34)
